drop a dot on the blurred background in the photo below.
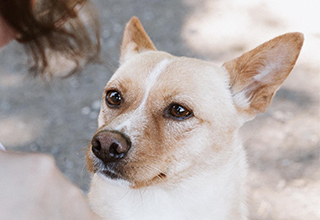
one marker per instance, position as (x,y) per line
(283,147)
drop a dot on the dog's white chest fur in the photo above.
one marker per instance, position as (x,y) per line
(209,195)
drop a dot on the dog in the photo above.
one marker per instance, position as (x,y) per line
(168,144)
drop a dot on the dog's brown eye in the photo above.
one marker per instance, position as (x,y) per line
(179,112)
(113,99)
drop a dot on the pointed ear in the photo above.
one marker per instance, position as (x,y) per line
(135,40)
(257,75)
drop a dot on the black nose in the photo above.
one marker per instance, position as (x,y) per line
(110,146)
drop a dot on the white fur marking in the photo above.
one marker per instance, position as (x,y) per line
(153,77)
(150,81)
(266,71)
(241,100)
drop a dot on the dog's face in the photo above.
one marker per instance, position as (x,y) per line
(171,125)
(164,118)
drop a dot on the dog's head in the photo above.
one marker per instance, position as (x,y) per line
(164,118)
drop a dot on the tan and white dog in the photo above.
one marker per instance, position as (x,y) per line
(167,146)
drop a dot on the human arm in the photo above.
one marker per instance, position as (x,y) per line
(32,187)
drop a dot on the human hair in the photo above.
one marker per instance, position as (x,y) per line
(59,28)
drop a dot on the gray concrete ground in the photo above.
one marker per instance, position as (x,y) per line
(283,144)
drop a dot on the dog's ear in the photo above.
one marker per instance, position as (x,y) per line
(257,75)
(135,40)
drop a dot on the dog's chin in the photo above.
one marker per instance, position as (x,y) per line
(112,179)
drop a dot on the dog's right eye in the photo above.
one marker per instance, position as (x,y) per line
(178,112)
(113,99)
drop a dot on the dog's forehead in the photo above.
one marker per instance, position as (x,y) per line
(162,71)
(140,66)
(191,74)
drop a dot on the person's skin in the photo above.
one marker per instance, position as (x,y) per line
(31,185)
(6,33)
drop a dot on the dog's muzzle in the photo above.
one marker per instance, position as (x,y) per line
(110,146)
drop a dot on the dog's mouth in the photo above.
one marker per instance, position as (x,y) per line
(160,176)
(115,176)
(109,170)
(111,174)
(115,172)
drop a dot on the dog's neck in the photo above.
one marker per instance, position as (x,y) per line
(209,194)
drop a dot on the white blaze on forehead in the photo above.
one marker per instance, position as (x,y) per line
(153,77)
(150,82)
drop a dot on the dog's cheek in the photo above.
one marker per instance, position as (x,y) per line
(176,141)
(192,149)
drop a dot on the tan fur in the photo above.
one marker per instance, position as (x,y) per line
(135,38)
(243,69)
(156,137)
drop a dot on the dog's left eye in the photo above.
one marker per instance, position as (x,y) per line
(178,111)
(113,99)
